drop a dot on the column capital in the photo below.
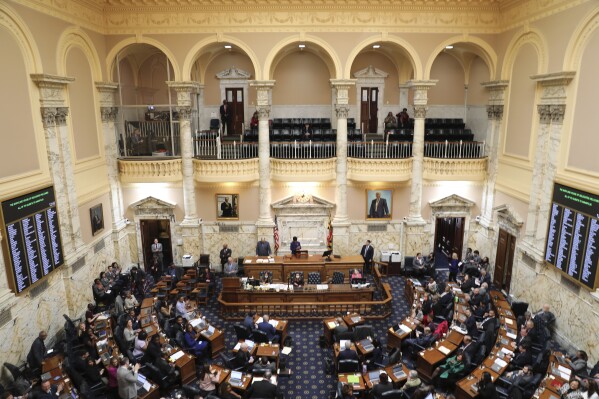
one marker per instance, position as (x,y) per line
(343,84)
(554,86)
(420,111)
(52,88)
(544,113)
(54,116)
(496,89)
(109,114)
(495,112)
(421,88)
(342,111)
(184,112)
(107,91)
(184,91)
(262,84)
(263,112)
(263,89)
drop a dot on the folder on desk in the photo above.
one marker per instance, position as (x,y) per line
(353,379)
(405,328)
(444,350)
(331,325)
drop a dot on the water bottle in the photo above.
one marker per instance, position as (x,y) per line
(364,368)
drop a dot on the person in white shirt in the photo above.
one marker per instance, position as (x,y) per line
(130,301)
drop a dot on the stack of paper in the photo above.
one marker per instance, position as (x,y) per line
(322,286)
(353,379)
(176,356)
(501,363)
(405,328)
(332,324)
(444,350)
(273,323)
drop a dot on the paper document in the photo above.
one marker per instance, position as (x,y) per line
(507,351)
(511,335)
(353,379)
(273,323)
(259,320)
(509,321)
(500,362)
(286,350)
(405,328)
(147,386)
(322,286)
(248,261)
(331,325)
(443,350)
(176,356)
(564,370)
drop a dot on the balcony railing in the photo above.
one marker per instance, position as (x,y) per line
(454,149)
(213,148)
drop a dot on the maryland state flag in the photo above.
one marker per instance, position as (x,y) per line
(275,235)
(330,233)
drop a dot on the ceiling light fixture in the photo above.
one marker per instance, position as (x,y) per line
(376,46)
(302,45)
(228,46)
(449,47)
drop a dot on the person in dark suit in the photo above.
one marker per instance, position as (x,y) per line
(48,391)
(224,255)
(263,248)
(242,357)
(225,116)
(490,323)
(348,353)
(378,207)
(469,349)
(268,328)
(263,389)
(36,354)
(470,324)
(367,253)
(383,386)
(486,387)
(521,359)
(226,209)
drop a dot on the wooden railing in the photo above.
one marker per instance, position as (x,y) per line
(375,309)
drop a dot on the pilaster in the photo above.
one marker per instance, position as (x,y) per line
(420,88)
(342,87)
(184,91)
(54,114)
(496,91)
(263,90)
(404,92)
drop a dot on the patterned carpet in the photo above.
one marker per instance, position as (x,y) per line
(307,360)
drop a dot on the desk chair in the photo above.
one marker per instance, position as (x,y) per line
(260,337)
(392,394)
(362,332)
(348,366)
(241,332)
(338,278)
(314,278)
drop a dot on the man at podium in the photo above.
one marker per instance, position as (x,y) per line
(295,246)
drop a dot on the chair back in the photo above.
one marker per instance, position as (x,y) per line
(338,278)
(361,332)
(392,394)
(348,366)
(314,278)
(241,331)
(260,337)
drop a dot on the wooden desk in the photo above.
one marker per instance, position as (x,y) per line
(397,381)
(246,379)
(217,341)
(427,361)
(352,320)
(464,387)
(224,373)
(153,393)
(359,387)
(395,338)
(363,352)
(281,327)
(308,294)
(270,351)
(186,365)
(51,363)
(252,351)
(328,329)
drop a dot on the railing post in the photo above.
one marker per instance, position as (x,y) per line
(446,144)
(482,153)
(310,152)
(371,149)
(295,149)
(218,148)
(234,155)
(461,143)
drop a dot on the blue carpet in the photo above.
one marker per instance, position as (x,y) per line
(307,359)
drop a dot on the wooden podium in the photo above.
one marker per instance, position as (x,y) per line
(301,254)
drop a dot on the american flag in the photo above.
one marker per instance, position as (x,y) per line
(330,233)
(275,234)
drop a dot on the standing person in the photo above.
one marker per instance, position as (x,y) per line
(111,370)
(224,255)
(454,267)
(378,207)
(390,122)
(36,354)
(367,253)
(403,118)
(225,117)
(295,246)
(127,379)
(263,248)
(254,122)
(157,252)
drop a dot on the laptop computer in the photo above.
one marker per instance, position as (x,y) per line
(100,325)
(366,344)
(496,368)
(146,320)
(146,311)
(105,357)
(235,379)
(141,380)
(148,329)
(208,332)
(398,372)
(374,376)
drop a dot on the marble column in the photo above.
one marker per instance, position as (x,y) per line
(420,88)
(496,91)
(263,89)
(108,111)
(54,117)
(342,88)
(185,91)
(551,110)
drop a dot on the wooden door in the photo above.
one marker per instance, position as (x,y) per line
(235,100)
(504,260)
(449,235)
(369,109)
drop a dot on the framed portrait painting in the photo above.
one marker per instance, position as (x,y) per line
(378,203)
(96,216)
(227,206)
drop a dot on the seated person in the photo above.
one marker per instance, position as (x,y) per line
(263,389)
(467,284)
(376,357)
(254,121)
(194,343)
(36,354)
(153,350)
(130,301)
(520,378)
(390,122)
(432,286)
(384,385)
(520,359)
(268,328)
(263,363)
(571,390)
(307,132)
(248,322)
(92,373)
(348,353)
(297,280)
(231,268)
(242,357)
(225,391)
(450,371)
(347,392)
(139,348)
(578,363)
(356,273)
(418,263)
(412,382)
(266,277)
(183,308)
(207,381)
(295,246)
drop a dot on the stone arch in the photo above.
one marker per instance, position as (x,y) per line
(76,37)
(111,57)
(411,52)
(488,55)
(195,51)
(578,41)
(333,63)
(18,28)
(530,36)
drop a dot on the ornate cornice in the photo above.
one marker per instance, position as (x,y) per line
(107,91)
(554,86)
(109,114)
(184,91)
(196,16)
(52,89)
